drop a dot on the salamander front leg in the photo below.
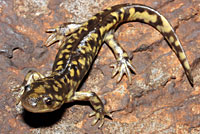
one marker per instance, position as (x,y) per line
(32,76)
(99,111)
(61,32)
(123,62)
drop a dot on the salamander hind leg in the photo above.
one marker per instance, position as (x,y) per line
(59,33)
(123,64)
(99,111)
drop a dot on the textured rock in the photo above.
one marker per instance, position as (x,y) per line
(159,100)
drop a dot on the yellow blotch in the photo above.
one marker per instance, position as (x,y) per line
(74,62)
(75,36)
(47,86)
(100,42)
(109,37)
(69,95)
(60,56)
(60,62)
(101,12)
(125,55)
(94,49)
(165,27)
(69,46)
(78,72)
(56,104)
(109,25)
(55,88)
(94,36)
(70,41)
(109,8)
(62,80)
(94,18)
(40,90)
(81,29)
(177,43)
(58,84)
(186,65)
(112,44)
(33,76)
(95,99)
(97,106)
(71,82)
(122,10)
(85,24)
(75,83)
(145,16)
(66,56)
(182,56)
(115,14)
(122,14)
(89,47)
(58,97)
(67,78)
(59,67)
(114,21)
(106,28)
(72,72)
(82,51)
(90,58)
(65,51)
(85,29)
(171,39)
(81,61)
(131,13)
(88,62)
(102,30)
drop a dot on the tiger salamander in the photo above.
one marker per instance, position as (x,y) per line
(78,45)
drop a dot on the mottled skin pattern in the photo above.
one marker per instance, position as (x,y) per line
(79,44)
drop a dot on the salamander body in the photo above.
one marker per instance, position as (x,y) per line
(79,44)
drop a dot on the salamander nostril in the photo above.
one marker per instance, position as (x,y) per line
(33,102)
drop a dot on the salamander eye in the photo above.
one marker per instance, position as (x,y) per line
(47,100)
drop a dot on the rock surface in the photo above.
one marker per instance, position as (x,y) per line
(160,98)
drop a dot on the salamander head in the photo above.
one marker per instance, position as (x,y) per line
(39,98)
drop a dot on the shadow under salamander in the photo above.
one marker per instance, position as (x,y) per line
(37,120)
